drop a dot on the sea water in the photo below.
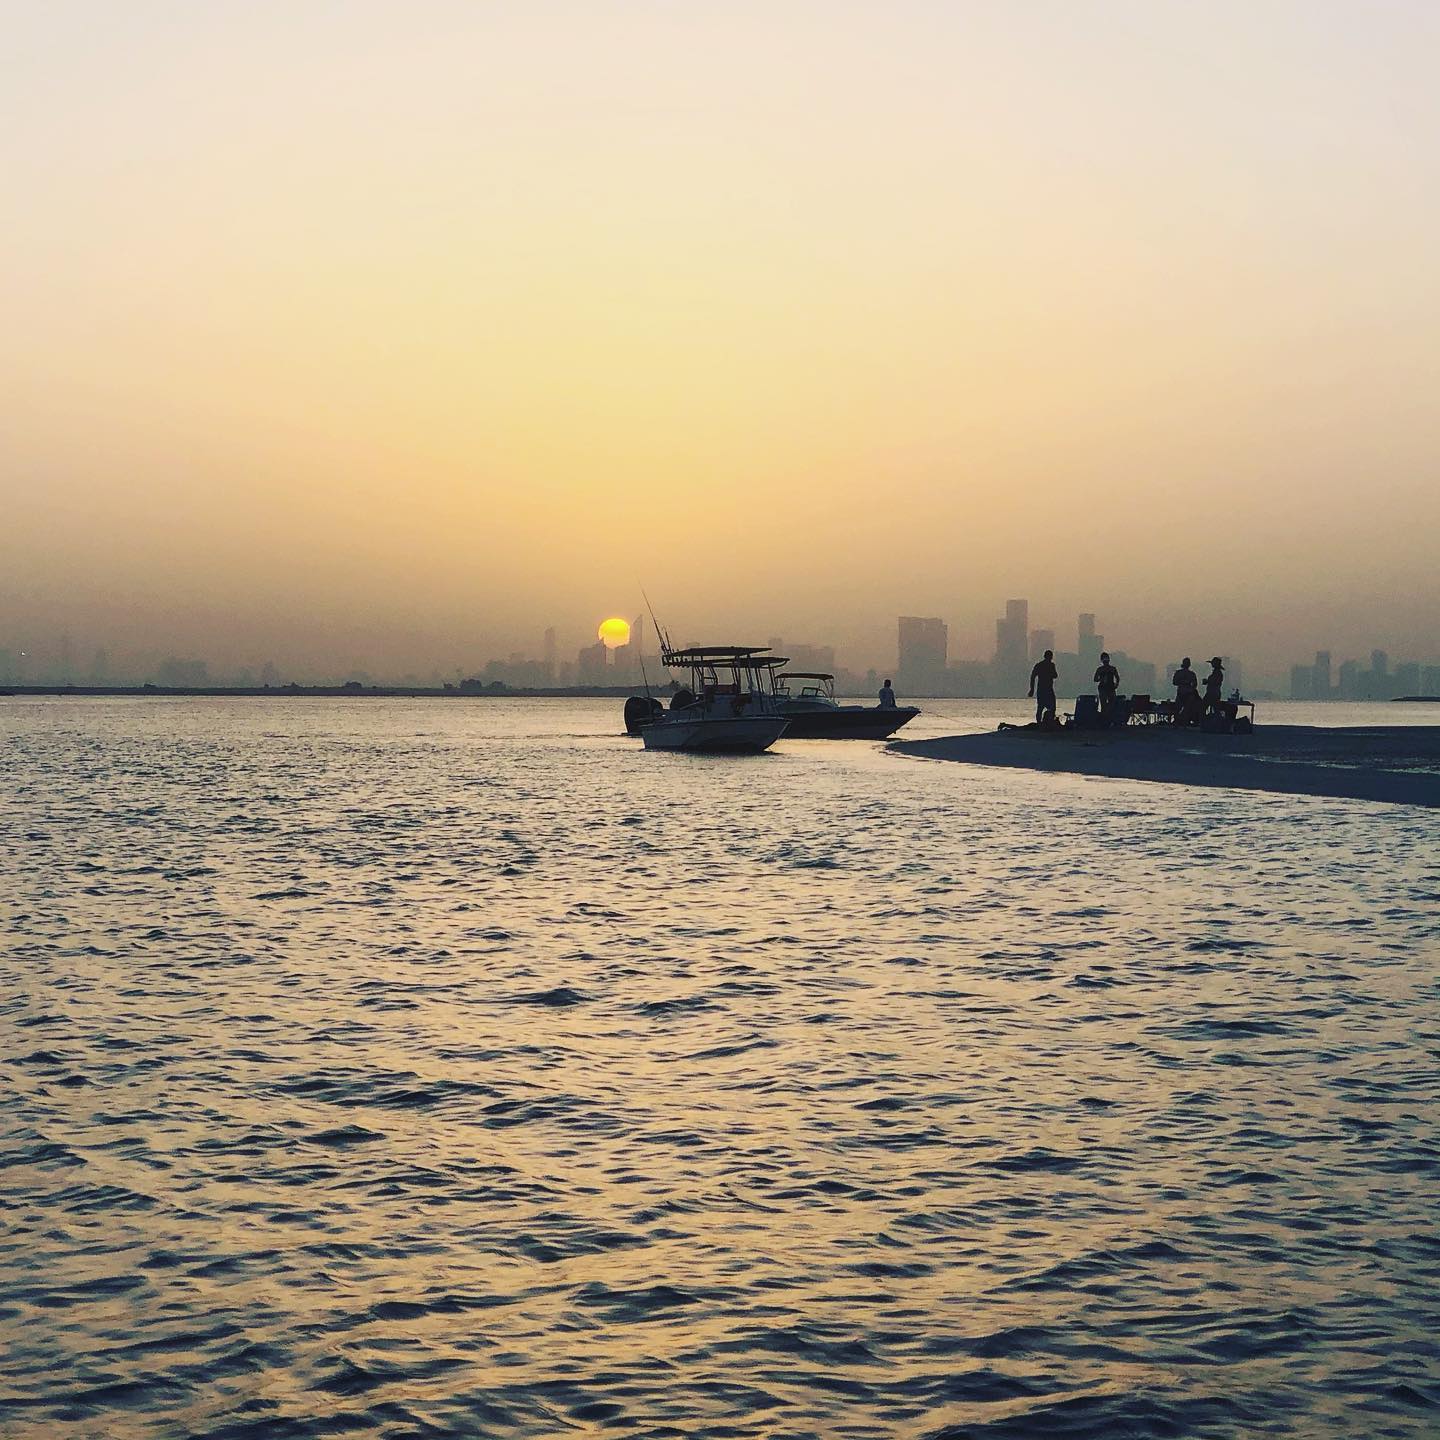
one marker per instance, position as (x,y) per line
(460,1068)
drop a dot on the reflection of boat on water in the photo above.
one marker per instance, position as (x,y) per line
(728,704)
(807,701)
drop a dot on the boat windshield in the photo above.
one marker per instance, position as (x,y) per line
(804,685)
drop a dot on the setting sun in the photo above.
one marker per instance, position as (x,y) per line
(614,633)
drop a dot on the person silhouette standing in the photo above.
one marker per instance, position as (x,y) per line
(1043,675)
(1107,682)
(1214,687)
(1187,694)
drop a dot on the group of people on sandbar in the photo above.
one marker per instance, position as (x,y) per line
(1190,707)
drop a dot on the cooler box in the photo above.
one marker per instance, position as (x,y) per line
(1087,712)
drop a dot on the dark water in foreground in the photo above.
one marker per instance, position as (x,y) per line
(413,1069)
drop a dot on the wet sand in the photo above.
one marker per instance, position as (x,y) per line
(1396,765)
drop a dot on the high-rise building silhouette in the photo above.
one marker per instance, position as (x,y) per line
(625,666)
(1012,647)
(1139,677)
(592,664)
(1040,642)
(1088,644)
(1353,682)
(924,644)
(804,656)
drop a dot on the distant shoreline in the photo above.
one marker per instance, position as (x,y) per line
(339,692)
(491,691)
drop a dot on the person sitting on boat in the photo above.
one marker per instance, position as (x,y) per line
(1107,682)
(1043,676)
(887,696)
(1187,694)
(1215,687)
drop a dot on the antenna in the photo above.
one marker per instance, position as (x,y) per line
(660,634)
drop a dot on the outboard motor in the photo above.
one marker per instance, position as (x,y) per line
(640,710)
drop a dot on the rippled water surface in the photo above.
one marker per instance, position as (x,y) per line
(417,1069)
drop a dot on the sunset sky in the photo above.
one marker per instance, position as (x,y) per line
(391,333)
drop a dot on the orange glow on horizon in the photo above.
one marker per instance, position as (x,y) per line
(432,324)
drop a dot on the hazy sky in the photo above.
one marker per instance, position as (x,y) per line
(395,330)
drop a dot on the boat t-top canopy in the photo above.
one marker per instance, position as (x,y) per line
(807,675)
(721,655)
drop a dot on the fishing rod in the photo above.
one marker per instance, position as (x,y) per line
(660,634)
(644,674)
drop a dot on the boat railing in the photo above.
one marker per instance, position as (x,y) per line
(728,670)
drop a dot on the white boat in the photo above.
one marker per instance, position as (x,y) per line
(728,704)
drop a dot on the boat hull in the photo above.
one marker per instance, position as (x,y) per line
(847,722)
(741,734)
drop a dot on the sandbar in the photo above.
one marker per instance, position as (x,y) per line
(1395,764)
